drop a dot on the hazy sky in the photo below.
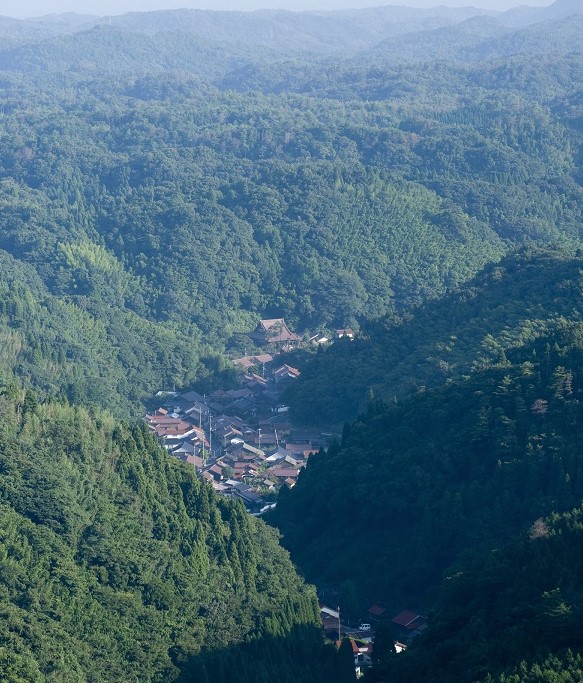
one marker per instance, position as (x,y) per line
(30,8)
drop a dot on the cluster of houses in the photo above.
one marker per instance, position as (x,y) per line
(405,627)
(241,440)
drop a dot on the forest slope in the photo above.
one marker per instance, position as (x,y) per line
(215,211)
(118,564)
(510,616)
(329,194)
(509,305)
(459,467)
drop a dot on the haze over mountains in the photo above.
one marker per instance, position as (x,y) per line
(169,178)
(346,32)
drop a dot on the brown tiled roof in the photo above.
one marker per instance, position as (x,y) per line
(283,472)
(405,618)
(274,330)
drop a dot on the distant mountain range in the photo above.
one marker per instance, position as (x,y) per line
(193,40)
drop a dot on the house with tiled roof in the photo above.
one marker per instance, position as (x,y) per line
(407,625)
(274,332)
(286,373)
(377,612)
(259,360)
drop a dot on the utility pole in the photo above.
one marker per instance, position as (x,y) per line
(203,436)
(338,608)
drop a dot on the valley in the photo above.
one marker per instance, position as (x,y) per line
(291,300)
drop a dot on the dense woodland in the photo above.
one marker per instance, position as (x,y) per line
(510,616)
(467,464)
(509,305)
(166,179)
(430,482)
(118,564)
(161,193)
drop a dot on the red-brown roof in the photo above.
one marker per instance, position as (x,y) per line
(377,610)
(405,618)
(287,370)
(274,330)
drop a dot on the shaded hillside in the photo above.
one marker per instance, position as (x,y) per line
(511,616)
(509,305)
(461,467)
(118,564)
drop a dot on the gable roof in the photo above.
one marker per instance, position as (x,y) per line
(251,361)
(283,472)
(272,331)
(407,619)
(286,371)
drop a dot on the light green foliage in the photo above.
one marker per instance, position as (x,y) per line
(118,564)
(159,213)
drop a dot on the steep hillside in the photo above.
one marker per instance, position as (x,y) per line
(509,305)
(232,204)
(95,352)
(118,564)
(163,203)
(457,468)
(511,616)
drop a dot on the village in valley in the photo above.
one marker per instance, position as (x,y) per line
(241,440)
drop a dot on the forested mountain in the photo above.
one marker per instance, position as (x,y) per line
(118,564)
(283,32)
(142,189)
(524,15)
(14,32)
(92,352)
(460,467)
(480,38)
(510,304)
(168,178)
(510,616)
